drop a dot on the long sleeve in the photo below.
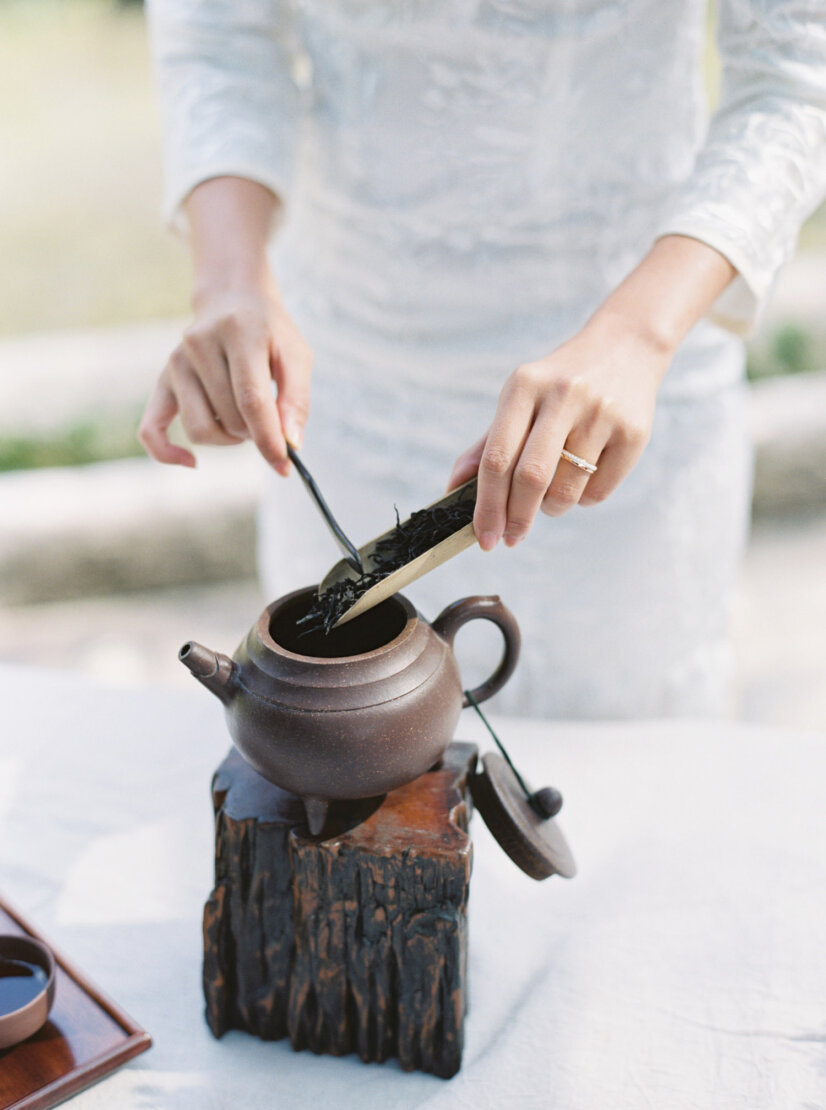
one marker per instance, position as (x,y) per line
(762,169)
(229,100)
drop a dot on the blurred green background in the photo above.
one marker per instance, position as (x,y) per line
(80,170)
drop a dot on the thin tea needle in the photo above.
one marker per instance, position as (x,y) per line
(350,550)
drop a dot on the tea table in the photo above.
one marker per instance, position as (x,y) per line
(683,968)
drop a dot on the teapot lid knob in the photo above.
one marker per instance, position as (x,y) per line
(547,802)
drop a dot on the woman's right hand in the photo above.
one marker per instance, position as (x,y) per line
(219,378)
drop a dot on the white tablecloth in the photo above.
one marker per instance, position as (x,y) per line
(684,967)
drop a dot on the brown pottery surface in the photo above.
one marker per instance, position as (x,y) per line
(355,713)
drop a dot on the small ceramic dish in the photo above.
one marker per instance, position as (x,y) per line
(27,987)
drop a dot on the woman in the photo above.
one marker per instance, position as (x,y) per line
(469,186)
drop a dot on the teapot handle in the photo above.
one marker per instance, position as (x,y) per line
(451,619)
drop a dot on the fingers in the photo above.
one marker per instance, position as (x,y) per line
(251,382)
(161,410)
(207,359)
(614,460)
(503,446)
(220,381)
(520,465)
(620,456)
(536,470)
(179,391)
(200,422)
(571,481)
(586,440)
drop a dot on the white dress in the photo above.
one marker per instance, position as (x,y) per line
(464,182)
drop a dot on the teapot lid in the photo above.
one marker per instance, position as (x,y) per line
(532,840)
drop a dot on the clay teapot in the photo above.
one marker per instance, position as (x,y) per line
(354,713)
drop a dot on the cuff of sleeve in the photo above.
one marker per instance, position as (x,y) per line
(176,192)
(740,305)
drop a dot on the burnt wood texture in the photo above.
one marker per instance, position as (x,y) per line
(355,941)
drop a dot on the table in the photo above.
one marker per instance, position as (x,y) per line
(684,967)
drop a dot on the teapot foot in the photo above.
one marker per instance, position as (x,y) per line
(316,810)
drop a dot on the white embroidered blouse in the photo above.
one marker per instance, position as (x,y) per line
(520,153)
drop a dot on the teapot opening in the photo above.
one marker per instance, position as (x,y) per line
(365,633)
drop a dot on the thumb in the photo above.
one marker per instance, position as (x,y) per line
(292,369)
(467,464)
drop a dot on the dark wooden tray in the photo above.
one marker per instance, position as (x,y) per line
(86,1037)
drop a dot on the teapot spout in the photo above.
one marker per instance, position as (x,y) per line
(211,668)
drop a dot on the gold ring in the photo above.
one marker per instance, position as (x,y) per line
(583,464)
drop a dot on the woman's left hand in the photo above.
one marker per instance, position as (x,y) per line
(593,396)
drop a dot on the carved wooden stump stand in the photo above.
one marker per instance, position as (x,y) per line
(352,943)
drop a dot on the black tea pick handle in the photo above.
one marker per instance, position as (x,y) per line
(350,550)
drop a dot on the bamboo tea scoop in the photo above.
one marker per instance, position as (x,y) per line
(377,555)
